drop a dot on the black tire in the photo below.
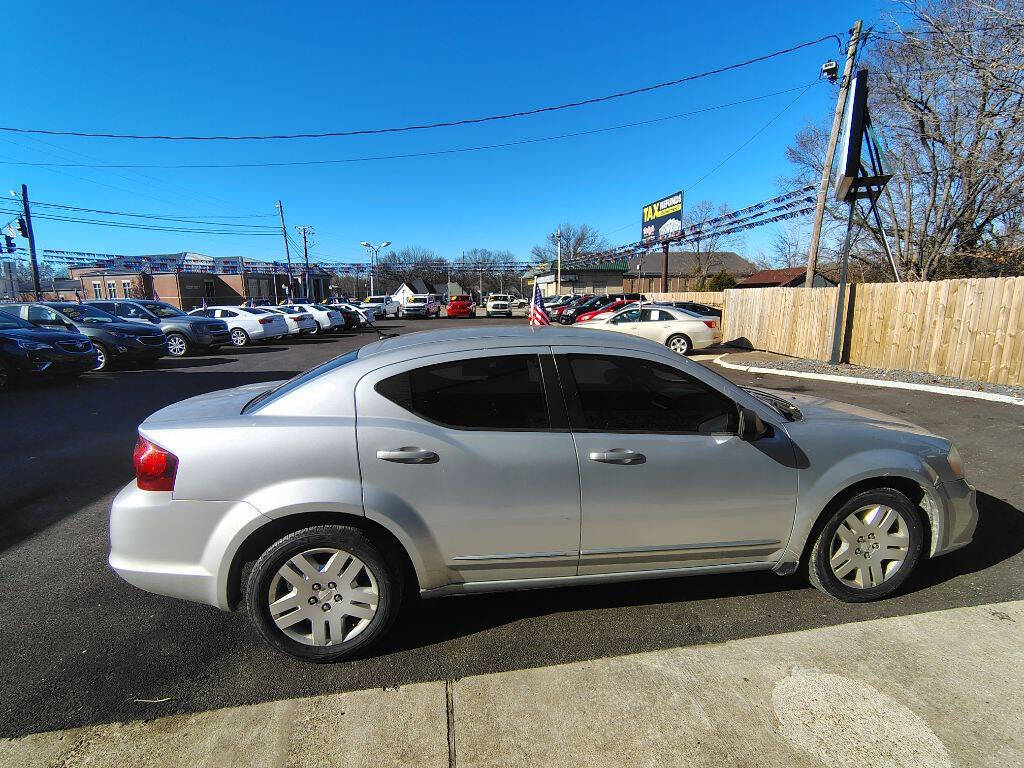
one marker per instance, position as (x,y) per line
(819,570)
(103,358)
(386,573)
(683,345)
(176,341)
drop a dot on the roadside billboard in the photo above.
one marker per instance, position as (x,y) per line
(663,218)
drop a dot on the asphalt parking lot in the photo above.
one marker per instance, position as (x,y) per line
(83,647)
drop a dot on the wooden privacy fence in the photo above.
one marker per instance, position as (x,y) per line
(790,321)
(972,329)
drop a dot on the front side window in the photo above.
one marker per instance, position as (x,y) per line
(629,316)
(225,313)
(654,316)
(480,393)
(621,394)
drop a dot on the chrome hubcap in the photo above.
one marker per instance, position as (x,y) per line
(101,359)
(176,346)
(323,596)
(679,345)
(869,546)
(238,338)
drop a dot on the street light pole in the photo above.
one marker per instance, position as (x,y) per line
(373,250)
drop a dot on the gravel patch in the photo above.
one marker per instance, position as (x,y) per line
(783,363)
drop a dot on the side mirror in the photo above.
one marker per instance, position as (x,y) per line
(751,427)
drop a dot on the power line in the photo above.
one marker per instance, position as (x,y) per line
(433,153)
(182,219)
(147,227)
(428,126)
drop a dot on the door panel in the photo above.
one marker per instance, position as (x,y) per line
(496,502)
(697,496)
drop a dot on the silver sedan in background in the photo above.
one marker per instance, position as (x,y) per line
(401,467)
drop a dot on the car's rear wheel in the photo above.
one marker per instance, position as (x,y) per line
(323,593)
(177,345)
(239,338)
(102,357)
(868,547)
(679,344)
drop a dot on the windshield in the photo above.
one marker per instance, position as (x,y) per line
(784,407)
(163,310)
(417,300)
(255,310)
(375,299)
(83,313)
(8,322)
(321,307)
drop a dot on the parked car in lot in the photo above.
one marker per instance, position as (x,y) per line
(606,310)
(184,334)
(420,305)
(114,340)
(461,305)
(382,306)
(363,315)
(327,320)
(247,324)
(498,304)
(641,464)
(570,313)
(677,329)
(27,351)
(705,310)
(299,323)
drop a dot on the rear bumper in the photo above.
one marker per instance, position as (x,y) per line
(176,547)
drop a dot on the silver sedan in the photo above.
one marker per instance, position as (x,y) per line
(474,460)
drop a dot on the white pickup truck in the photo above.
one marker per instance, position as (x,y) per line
(382,306)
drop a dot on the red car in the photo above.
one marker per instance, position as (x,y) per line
(605,310)
(461,306)
(573,302)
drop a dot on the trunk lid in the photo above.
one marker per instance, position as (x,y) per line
(225,403)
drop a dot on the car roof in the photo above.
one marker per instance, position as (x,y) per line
(456,339)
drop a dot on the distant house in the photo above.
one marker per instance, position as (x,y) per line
(684,269)
(600,278)
(790,277)
(455,289)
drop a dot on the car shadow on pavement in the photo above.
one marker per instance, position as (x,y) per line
(999,537)
(171,363)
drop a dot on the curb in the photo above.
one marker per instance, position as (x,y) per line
(990,396)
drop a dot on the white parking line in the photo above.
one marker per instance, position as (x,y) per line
(990,396)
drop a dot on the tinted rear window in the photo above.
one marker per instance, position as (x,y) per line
(481,393)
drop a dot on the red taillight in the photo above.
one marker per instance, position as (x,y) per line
(266,320)
(155,468)
(709,323)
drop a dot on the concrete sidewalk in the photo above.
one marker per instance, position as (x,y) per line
(934,689)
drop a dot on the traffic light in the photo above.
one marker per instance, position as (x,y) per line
(22,227)
(9,244)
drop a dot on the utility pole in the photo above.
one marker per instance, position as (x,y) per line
(664,267)
(31,242)
(287,253)
(830,151)
(558,278)
(305,255)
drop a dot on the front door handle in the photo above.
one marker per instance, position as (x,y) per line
(618,456)
(408,455)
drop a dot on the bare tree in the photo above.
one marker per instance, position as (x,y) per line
(704,242)
(945,93)
(577,241)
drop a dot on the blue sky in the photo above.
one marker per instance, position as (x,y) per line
(202,68)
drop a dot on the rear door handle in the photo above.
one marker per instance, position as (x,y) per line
(408,455)
(618,456)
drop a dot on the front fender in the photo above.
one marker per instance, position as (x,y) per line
(817,487)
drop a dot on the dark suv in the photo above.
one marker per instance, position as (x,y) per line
(184,333)
(27,351)
(114,340)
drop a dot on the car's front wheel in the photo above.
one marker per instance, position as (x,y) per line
(323,593)
(177,345)
(868,548)
(102,357)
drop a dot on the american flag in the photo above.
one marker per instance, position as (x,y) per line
(537,314)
